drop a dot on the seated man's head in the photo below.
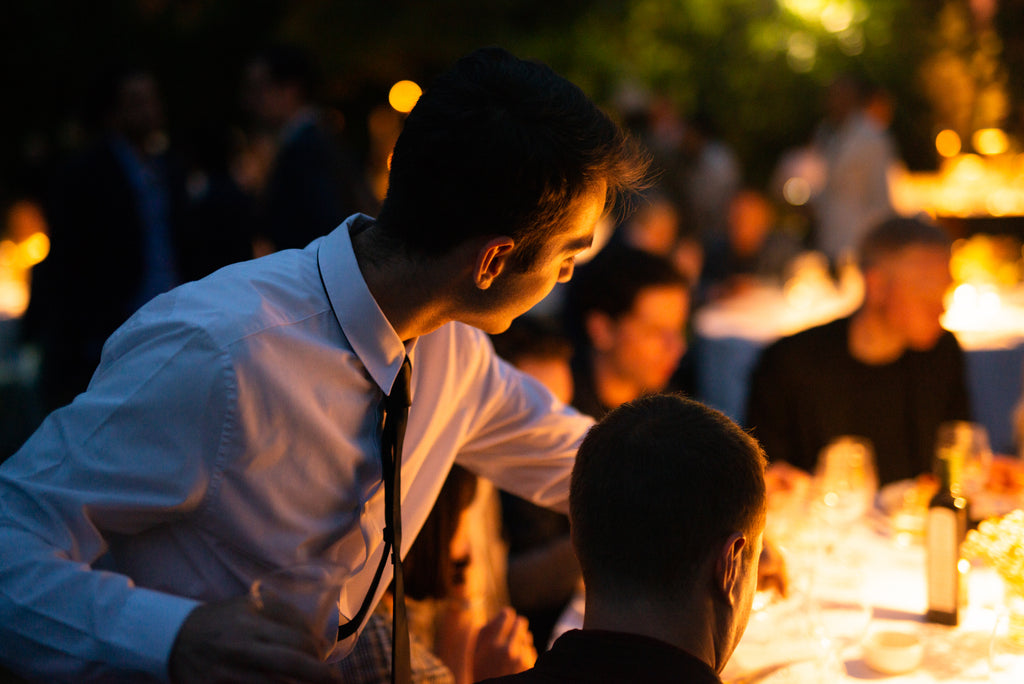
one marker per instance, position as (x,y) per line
(630,309)
(667,505)
(513,160)
(906,275)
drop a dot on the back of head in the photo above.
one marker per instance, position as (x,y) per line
(500,146)
(658,486)
(894,235)
(611,282)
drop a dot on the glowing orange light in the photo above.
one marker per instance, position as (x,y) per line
(990,141)
(947,143)
(404,95)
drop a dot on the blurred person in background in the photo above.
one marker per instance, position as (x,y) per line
(889,372)
(627,312)
(756,251)
(656,227)
(454,640)
(858,153)
(220,216)
(115,216)
(669,604)
(711,175)
(313,181)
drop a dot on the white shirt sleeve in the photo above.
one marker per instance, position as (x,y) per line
(103,467)
(527,439)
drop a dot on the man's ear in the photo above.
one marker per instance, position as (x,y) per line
(729,568)
(491,260)
(600,329)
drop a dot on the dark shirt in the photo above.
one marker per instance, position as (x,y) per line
(591,655)
(807,389)
(313,186)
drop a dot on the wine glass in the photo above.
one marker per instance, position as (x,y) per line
(845,480)
(971,440)
(1006,650)
(313,589)
(839,605)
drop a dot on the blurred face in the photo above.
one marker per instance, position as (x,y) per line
(914,284)
(139,110)
(515,291)
(654,229)
(646,344)
(749,222)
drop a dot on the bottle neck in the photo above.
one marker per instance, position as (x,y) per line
(948,468)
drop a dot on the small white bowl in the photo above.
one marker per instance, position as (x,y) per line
(893,651)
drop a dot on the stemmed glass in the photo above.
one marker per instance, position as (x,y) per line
(845,480)
(1006,650)
(972,440)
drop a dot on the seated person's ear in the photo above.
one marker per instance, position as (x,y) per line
(491,260)
(729,568)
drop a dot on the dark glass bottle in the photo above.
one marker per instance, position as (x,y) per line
(945,531)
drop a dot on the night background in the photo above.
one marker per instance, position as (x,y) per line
(754,68)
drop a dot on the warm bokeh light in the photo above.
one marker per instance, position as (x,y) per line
(801,52)
(26,244)
(837,17)
(797,191)
(404,95)
(990,141)
(808,9)
(32,250)
(947,143)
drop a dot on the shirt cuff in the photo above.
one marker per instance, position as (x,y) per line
(152,619)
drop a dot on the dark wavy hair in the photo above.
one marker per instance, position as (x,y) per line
(501,146)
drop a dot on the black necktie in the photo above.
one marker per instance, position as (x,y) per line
(396,414)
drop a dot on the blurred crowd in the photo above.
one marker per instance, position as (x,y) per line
(134,213)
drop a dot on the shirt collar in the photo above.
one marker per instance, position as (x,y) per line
(365,327)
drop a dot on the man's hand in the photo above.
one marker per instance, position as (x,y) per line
(504,646)
(233,641)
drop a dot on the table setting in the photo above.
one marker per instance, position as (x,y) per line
(858,588)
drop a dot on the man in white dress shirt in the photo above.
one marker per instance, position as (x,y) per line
(232,427)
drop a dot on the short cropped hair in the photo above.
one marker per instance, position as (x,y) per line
(611,282)
(500,146)
(658,486)
(896,234)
